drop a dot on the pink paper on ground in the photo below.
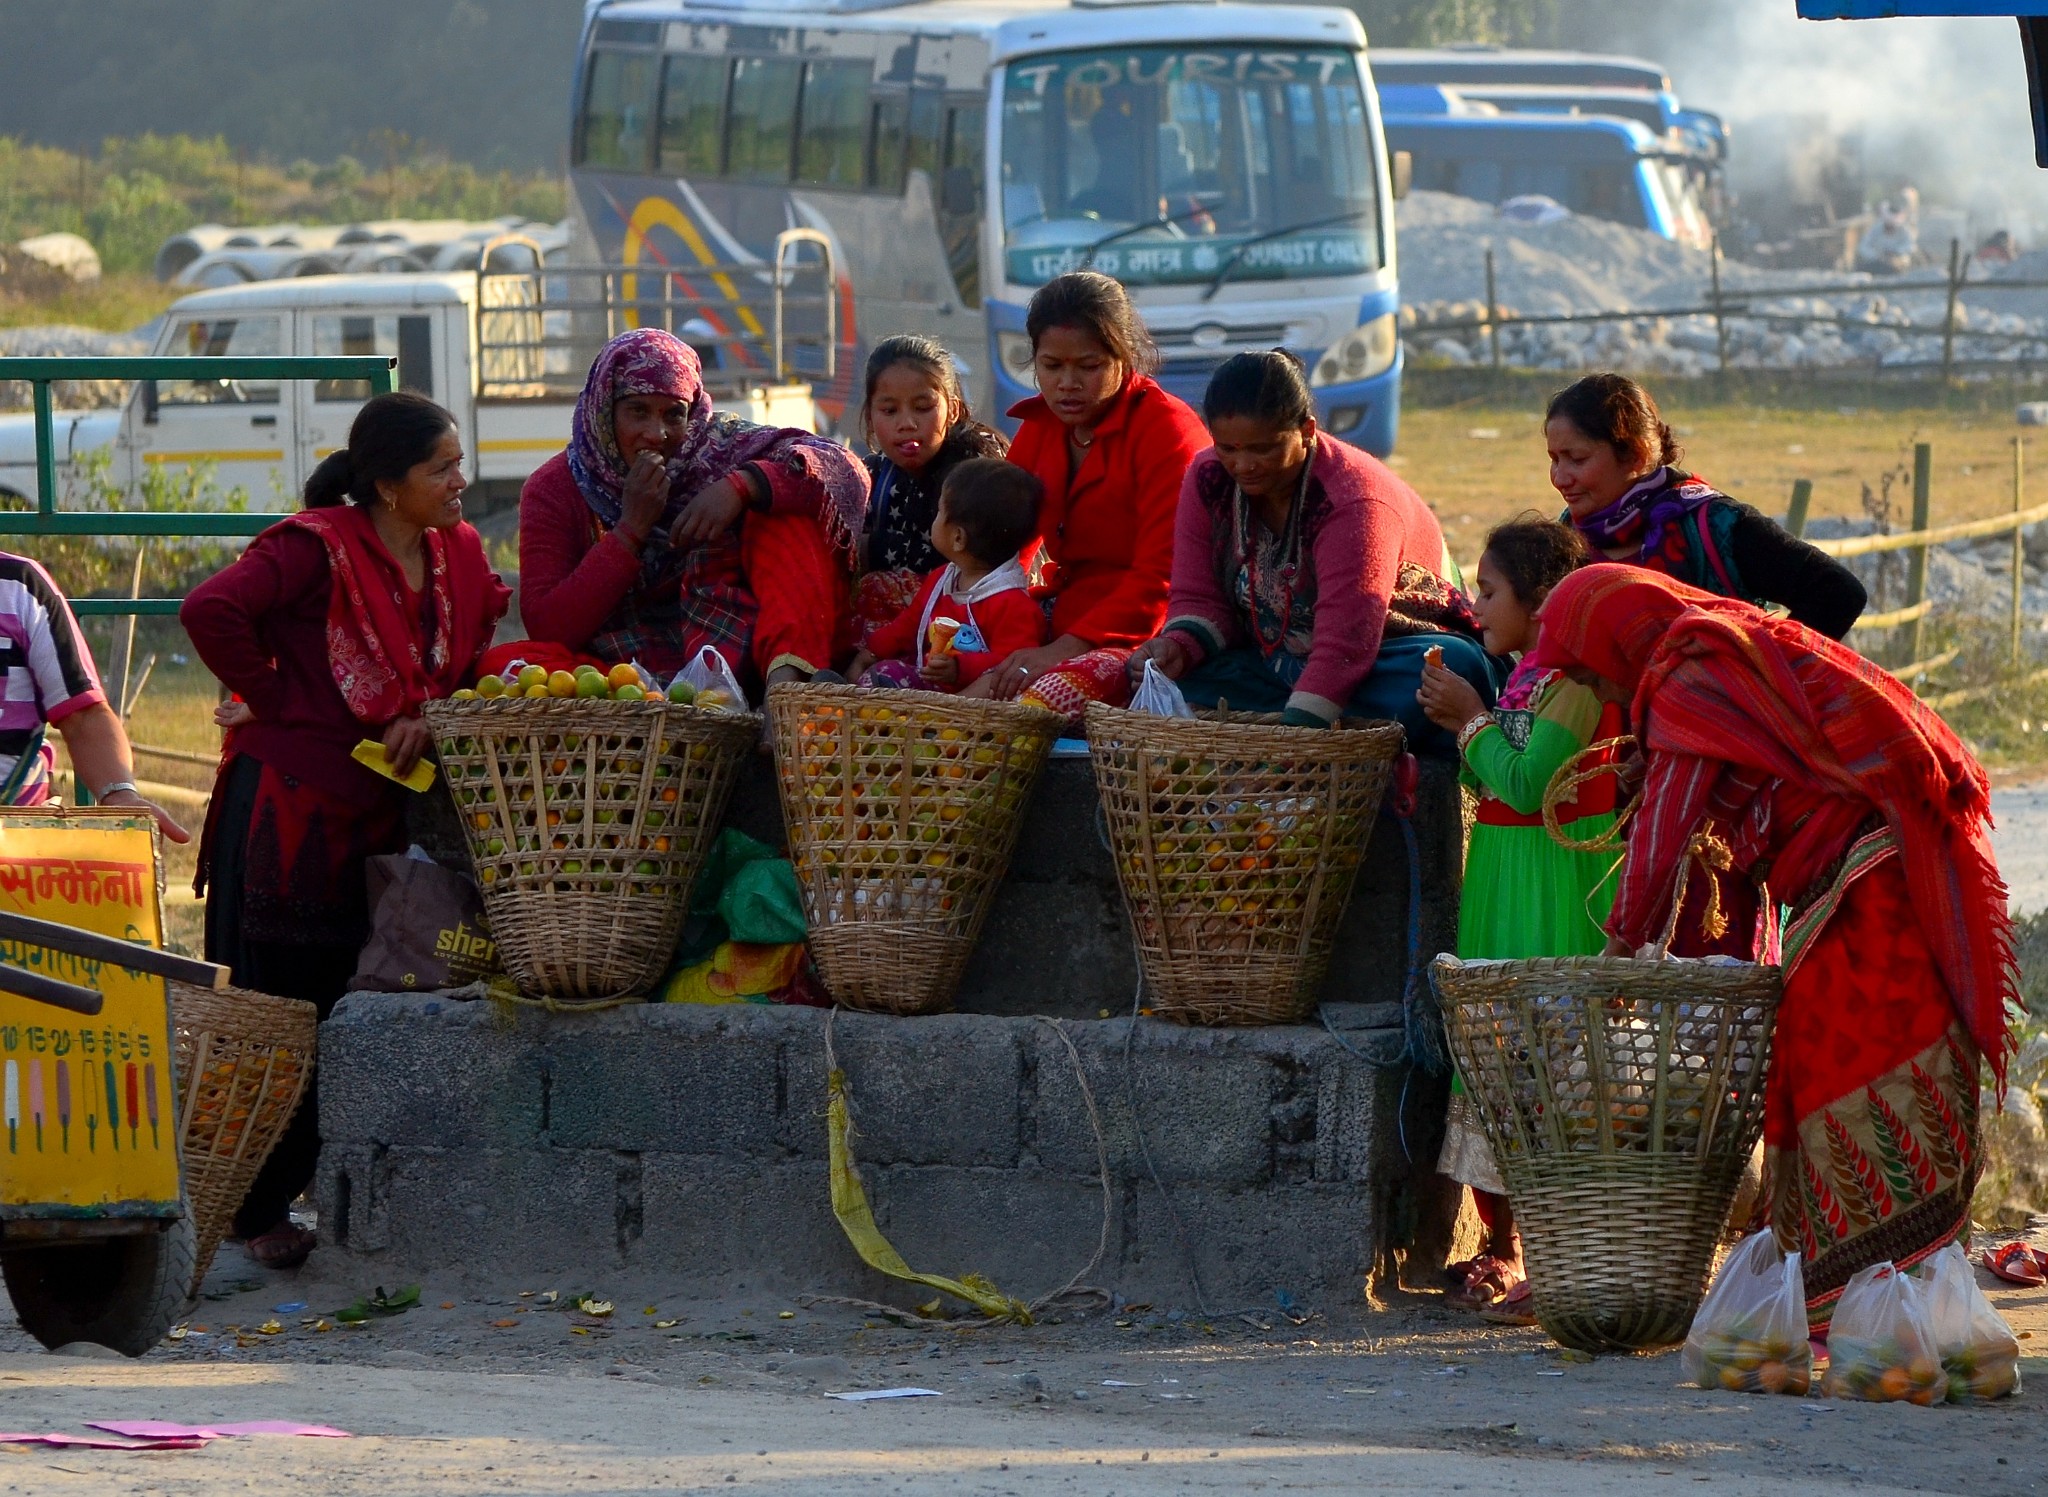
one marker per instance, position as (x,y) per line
(159,1429)
(93,1442)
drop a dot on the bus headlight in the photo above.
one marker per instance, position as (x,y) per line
(1014,350)
(1359,354)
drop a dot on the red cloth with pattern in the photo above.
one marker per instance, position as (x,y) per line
(1718,680)
(1107,526)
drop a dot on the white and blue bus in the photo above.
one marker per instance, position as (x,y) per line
(944,160)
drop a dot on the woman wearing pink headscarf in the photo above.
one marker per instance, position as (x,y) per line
(667,526)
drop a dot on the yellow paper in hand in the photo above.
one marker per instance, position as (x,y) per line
(370,754)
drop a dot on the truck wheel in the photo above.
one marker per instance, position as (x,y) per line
(121,1292)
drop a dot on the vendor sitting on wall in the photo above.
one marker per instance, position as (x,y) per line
(1307,578)
(667,527)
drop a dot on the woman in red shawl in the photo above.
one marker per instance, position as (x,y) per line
(334,626)
(1818,783)
(668,526)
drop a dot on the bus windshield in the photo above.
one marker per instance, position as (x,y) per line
(1160,161)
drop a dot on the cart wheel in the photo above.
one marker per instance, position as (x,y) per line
(121,1292)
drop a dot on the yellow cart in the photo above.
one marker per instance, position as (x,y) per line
(95,1241)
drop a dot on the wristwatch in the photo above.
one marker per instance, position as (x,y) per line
(106,790)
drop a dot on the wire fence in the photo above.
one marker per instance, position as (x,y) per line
(1726,309)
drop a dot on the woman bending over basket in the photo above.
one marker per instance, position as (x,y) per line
(1307,578)
(1110,446)
(667,527)
(1526,893)
(334,626)
(1803,771)
(1615,463)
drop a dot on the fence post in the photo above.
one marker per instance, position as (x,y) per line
(1795,514)
(1948,320)
(1916,567)
(1492,312)
(1720,322)
(2019,549)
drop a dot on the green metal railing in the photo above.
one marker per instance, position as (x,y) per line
(47,519)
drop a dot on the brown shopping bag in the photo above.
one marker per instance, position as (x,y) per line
(427,928)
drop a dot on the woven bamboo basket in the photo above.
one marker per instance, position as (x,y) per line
(1622,1099)
(586,821)
(1236,842)
(243,1062)
(903,808)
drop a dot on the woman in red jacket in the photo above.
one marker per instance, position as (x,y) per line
(334,626)
(1111,447)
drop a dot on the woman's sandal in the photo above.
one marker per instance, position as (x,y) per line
(285,1245)
(1516,1307)
(1489,1280)
(2016,1263)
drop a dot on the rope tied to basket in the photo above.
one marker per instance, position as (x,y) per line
(1563,789)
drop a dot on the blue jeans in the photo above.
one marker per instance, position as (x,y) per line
(1243,678)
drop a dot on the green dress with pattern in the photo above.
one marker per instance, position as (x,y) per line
(1524,894)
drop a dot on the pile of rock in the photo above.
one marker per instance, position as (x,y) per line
(1583,265)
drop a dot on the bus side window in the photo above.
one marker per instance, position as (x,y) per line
(959,194)
(692,115)
(760,134)
(927,130)
(616,111)
(829,144)
(888,117)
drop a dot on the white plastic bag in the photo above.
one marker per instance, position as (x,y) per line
(708,682)
(1750,1333)
(1158,695)
(1978,1350)
(1880,1346)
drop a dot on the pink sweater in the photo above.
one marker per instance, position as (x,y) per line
(1358,526)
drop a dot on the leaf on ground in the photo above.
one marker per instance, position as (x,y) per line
(504,1324)
(662,1325)
(270,1328)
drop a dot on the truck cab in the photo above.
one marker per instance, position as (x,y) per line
(266,437)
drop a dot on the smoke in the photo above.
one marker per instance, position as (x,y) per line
(1937,103)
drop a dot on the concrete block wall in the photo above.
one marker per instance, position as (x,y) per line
(690,1143)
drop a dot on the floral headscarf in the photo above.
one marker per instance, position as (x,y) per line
(648,361)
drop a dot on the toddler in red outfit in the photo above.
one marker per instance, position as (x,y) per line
(976,609)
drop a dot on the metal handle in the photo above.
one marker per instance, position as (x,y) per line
(788,239)
(263,420)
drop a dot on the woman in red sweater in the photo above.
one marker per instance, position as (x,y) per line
(667,527)
(1307,578)
(1110,446)
(334,626)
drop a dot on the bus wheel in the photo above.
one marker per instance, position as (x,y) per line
(119,1292)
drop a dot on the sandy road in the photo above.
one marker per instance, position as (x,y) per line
(485,1391)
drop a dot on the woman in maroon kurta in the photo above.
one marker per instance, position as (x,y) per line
(334,626)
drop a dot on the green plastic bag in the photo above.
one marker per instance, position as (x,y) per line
(745,893)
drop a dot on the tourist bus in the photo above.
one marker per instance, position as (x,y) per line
(942,161)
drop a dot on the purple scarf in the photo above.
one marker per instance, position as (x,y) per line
(648,361)
(1639,518)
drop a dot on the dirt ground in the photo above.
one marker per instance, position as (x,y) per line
(491,1389)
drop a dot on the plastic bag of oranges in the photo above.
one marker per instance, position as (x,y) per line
(1750,1333)
(1881,1346)
(1979,1353)
(708,683)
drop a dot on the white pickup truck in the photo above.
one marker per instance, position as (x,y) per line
(511,399)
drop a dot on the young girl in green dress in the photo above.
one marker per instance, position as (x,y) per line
(1525,895)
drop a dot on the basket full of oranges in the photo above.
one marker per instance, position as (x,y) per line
(588,799)
(903,808)
(1236,841)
